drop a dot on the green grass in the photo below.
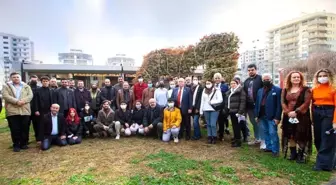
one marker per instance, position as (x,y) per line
(21,181)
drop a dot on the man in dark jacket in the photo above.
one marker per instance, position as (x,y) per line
(53,84)
(120,83)
(65,98)
(197,91)
(34,118)
(95,99)
(43,101)
(108,93)
(82,95)
(251,87)
(268,112)
(53,128)
(223,123)
(152,121)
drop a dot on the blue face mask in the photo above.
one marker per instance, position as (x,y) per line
(150,85)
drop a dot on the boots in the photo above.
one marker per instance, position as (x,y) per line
(300,157)
(214,140)
(236,143)
(293,154)
(209,140)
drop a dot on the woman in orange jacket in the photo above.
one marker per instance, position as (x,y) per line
(324,119)
(171,122)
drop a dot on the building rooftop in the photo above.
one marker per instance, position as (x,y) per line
(76,68)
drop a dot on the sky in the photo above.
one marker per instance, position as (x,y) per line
(104,28)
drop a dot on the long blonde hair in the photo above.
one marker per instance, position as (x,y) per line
(330,76)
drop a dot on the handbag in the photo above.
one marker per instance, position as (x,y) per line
(217,106)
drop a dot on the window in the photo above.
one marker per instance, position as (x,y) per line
(5,52)
(14,49)
(14,45)
(5,42)
(95,78)
(14,39)
(5,47)
(5,37)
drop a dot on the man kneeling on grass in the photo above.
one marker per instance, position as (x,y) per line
(171,122)
(105,123)
(53,128)
(152,120)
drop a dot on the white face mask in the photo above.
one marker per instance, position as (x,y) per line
(323,80)
(208,86)
(195,82)
(140,80)
(172,86)
(170,105)
(123,107)
(138,106)
(87,107)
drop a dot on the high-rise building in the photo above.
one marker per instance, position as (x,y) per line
(120,59)
(14,49)
(75,57)
(298,38)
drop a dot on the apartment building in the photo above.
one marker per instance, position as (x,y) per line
(75,57)
(14,49)
(298,38)
(120,60)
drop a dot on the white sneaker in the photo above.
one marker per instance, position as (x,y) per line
(176,140)
(118,137)
(253,142)
(258,141)
(262,145)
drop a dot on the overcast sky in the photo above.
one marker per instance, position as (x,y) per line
(104,28)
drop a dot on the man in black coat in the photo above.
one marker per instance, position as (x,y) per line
(152,121)
(251,87)
(43,102)
(82,95)
(65,98)
(197,91)
(34,118)
(53,128)
(108,93)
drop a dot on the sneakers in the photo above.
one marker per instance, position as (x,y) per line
(176,140)
(118,137)
(262,145)
(254,142)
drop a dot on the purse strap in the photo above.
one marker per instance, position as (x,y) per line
(213,94)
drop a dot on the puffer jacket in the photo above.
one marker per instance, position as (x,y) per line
(171,118)
(8,94)
(237,101)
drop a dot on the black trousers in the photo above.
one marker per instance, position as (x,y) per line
(222,123)
(19,128)
(185,125)
(236,127)
(35,120)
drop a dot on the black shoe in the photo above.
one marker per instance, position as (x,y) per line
(275,155)
(220,138)
(317,169)
(245,140)
(195,138)
(293,155)
(187,138)
(24,147)
(209,140)
(301,157)
(16,149)
(267,150)
(214,140)
(227,131)
(236,144)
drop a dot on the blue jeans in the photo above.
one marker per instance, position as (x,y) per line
(197,129)
(211,120)
(52,140)
(271,135)
(325,144)
(257,128)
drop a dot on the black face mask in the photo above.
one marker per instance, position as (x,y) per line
(222,82)
(267,83)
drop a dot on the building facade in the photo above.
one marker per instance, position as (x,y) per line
(14,49)
(120,60)
(75,57)
(298,38)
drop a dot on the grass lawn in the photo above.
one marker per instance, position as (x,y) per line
(134,161)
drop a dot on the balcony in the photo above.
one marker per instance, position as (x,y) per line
(319,21)
(289,35)
(289,54)
(319,35)
(289,41)
(289,29)
(318,42)
(287,48)
(317,28)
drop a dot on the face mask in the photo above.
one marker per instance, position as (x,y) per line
(267,83)
(138,106)
(150,85)
(123,107)
(208,86)
(323,80)
(161,85)
(140,80)
(87,107)
(172,86)
(195,82)
(170,105)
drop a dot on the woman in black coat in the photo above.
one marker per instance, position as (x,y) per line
(88,119)
(74,127)
(137,117)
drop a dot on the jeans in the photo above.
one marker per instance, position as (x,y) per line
(19,128)
(325,144)
(197,129)
(271,135)
(172,131)
(72,141)
(257,128)
(53,140)
(211,120)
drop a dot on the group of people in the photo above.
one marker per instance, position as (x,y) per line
(64,115)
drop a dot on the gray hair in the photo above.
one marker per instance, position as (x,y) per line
(267,75)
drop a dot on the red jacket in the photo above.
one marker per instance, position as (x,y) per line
(137,89)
